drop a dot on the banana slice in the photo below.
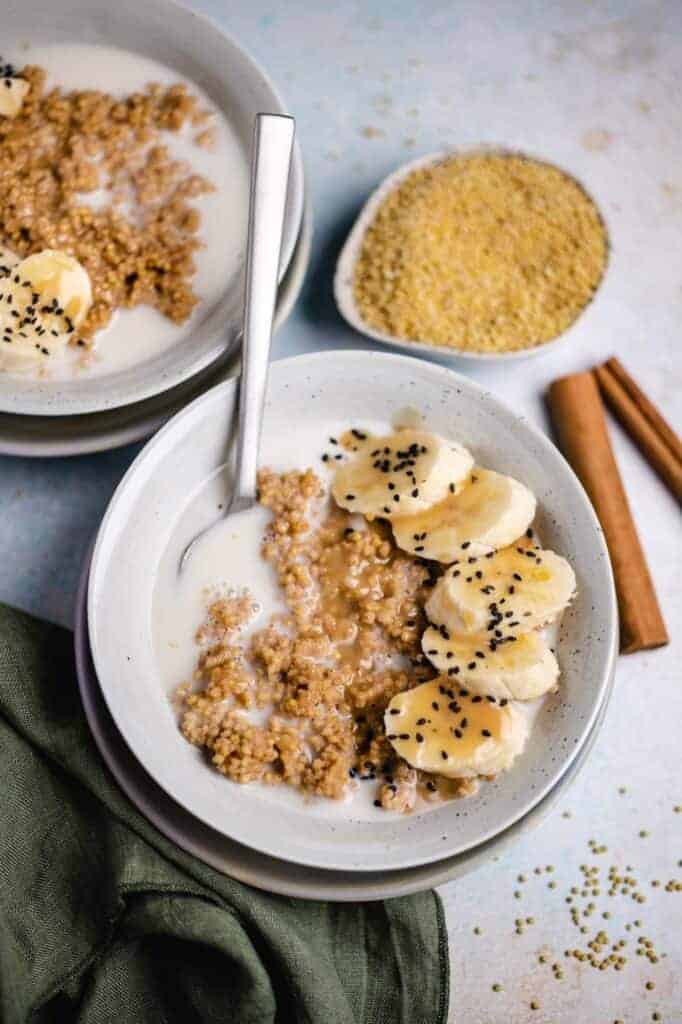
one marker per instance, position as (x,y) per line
(489,512)
(443,729)
(12,95)
(43,299)
(503,594)
(402,474)
(519,670)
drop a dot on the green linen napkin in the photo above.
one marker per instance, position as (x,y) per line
(103,919)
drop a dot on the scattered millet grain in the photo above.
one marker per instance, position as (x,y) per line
(485,252)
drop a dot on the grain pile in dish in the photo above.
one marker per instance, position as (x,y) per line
(416,595)
(480,252)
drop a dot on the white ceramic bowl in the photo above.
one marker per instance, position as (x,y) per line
(348,257)
(310,397)
(200,51)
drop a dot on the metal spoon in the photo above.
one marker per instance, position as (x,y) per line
(272,145)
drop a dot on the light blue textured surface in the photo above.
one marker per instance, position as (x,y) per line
(594,86)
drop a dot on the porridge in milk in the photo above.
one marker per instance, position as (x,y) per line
(123,209)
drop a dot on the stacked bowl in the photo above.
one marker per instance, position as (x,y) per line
(92,412)
(270,836)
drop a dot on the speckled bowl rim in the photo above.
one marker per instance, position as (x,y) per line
(192,38)
(343,276)
(354,845)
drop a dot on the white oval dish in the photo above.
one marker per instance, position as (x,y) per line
(257,869)
(59,436)
(197,50)
(310,397)
(348,257)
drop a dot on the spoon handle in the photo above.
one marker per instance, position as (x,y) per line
(272,145)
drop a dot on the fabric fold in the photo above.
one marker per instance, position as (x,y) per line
(104,919)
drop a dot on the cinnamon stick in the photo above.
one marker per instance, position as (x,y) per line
(639,416)
(578,416)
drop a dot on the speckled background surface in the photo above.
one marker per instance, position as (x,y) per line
(596,87)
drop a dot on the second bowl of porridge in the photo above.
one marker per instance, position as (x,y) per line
(125,166)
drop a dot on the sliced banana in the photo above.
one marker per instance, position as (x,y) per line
(489,512)
(502,594)
(402,474)
(440,728)
(520,670)
(13,92)
(43,299)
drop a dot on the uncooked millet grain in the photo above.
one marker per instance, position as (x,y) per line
(482,252)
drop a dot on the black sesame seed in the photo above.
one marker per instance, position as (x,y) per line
(435,705)
(458,733)
(486,732)
(444,754)
(419,738)
(471,665)
(404,736)
(466,544)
